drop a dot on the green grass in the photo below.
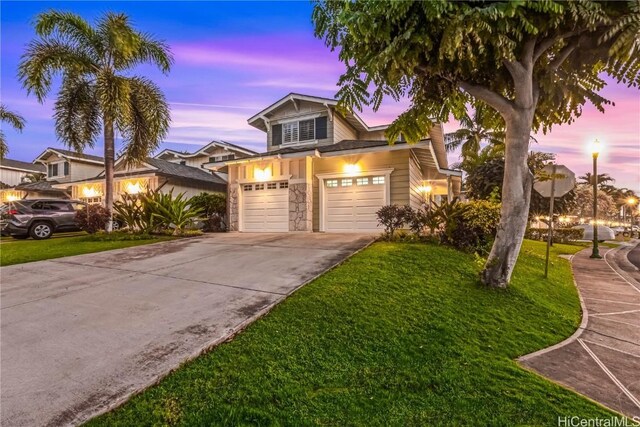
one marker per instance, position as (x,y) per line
(401,334)
(20,251)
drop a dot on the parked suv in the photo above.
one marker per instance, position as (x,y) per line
(39,218)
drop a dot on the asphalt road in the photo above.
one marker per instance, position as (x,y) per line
(634,256)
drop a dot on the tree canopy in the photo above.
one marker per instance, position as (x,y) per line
(444,55)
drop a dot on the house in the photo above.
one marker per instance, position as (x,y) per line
(14,172)
(214,152)
(324,171)
(153,174)
(61,167)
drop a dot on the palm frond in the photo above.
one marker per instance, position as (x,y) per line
(152,51)
(14,119)
(71,28)
(77,114)
(147,121)
(44,58)
(4,149)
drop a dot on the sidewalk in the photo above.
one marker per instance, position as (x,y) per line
(602,359)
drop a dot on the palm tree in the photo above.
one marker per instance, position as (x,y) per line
(603,178)
(34,177)
(475,131)
(97,90)
(15,120)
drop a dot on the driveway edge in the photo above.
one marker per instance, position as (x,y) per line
(230,335)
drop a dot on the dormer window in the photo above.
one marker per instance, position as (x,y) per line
(300,131)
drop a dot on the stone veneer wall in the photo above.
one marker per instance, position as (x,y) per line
(300,207)
(234,209)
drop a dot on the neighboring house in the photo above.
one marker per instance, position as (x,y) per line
(61,167)
(214,152)
(323,171)
(13,172)
(153,174)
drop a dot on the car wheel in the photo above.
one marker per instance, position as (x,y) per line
(41,231)
(115,225)
(21,237)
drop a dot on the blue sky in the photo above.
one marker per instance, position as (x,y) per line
(233,59)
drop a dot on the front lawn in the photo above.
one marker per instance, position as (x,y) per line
(401,334)
(20,251)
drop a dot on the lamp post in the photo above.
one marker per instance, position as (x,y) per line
(595,150)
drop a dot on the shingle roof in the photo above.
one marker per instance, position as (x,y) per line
(17,164)
(183,171)
(39,186)
(348,144)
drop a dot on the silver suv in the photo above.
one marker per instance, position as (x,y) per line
(39,218)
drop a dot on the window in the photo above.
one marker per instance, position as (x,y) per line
(259,186)
(272,185)
(347,182)
(362,181)
(378,180)
(89,201)
(307,130)
(216,159)
(66,168)
(284,184)
(331,183)
(298,131)
(59,206)
(248,187)
(290,132)
(53,169)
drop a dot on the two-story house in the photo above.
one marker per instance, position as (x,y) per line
(324,171)
(16,172)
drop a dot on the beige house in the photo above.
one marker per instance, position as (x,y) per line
(61,167)
(323,171)
(153,174)
(14,172)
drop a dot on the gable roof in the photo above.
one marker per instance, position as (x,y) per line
(39,186)
(165,167)
(22,166)
(258,120)
(203,151)
(71,155)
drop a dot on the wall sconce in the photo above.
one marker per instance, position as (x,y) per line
(351,168)
(90,192)
(261,174)
(133,188)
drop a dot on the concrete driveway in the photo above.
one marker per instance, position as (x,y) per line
(80,334)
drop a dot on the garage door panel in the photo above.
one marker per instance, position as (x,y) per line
(265,210)
(353,208)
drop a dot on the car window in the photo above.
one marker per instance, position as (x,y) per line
(77,206)
(37,206)
(58,206)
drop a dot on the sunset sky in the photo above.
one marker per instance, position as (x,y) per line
(234,59)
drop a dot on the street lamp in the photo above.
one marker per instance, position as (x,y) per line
(595,150)
(631,202)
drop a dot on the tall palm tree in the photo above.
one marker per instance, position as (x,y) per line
(98,91)
(14,120)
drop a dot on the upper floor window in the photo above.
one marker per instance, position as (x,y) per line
(298,131)
(226,157)
(58,169)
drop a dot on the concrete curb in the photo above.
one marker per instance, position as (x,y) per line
(574,336)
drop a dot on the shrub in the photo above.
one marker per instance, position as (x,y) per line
(560,235)
(470,226)
(169,212)
(393,217)
(420,219)
(214,209)
(129,210)
(92,218)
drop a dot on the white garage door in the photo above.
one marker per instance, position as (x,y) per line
(265,206)
(351,203)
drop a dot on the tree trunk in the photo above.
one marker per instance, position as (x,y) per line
(516,196)
(109,160)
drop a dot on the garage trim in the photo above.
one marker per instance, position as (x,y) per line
(240,194)
(323,176)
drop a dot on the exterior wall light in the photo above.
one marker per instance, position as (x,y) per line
(351,168)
